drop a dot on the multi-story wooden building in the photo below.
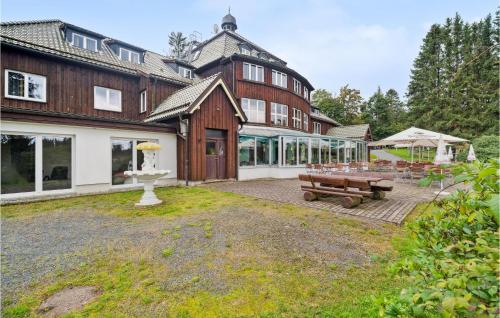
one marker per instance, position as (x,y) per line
(76,103)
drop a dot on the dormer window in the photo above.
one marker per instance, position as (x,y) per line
(245,50)
(84,42)
(185,72)
(129,55)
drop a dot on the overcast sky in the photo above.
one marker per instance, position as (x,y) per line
(361,43)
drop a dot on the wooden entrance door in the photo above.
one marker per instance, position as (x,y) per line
(215,157)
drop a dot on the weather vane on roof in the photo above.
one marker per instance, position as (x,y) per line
(229,10)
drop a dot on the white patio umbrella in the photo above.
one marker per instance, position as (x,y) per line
(417,137)
(441,155)
(450,154)
(472,155)
(441,158)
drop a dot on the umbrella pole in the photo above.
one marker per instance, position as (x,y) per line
(412,153)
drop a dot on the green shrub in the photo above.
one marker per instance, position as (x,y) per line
(452,270)
(485,147)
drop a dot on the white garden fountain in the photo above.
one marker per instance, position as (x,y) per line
(149,174)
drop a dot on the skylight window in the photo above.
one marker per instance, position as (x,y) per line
(84,42)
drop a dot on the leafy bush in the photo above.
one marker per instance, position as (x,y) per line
(452,270)
(485,147)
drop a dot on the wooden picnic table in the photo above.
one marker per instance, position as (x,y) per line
(352,189)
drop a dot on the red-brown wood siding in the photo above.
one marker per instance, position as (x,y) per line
(215,112)
(70,86)
(271,94)
(226,70)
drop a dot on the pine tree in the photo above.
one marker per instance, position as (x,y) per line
(454,81)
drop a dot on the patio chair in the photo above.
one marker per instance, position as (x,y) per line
(402,170)
(417,172)
(309,168)
(318,168)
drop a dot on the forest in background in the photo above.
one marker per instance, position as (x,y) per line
(453,88)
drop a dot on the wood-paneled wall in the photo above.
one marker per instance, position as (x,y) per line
(70,86)
(271,94)
(216,112)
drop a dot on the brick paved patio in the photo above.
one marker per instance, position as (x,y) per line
(394,208)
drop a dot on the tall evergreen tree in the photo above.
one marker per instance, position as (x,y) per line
(177,42)
(454,84)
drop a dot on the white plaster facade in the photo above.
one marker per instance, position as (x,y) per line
(91,156)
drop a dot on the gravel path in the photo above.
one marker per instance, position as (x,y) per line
(202,244)
(384,155)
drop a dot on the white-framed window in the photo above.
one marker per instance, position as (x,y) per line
(254,109)
(306,93)
(126,157)
(185,72)
(21,85)
(279,114)
(297,86)
(144,101)
(107,99)
(129,55)
(297,118)
(253,72)
(280,79)
(84,42)
(306,122)
(316,128)
(36,163)
(245,50)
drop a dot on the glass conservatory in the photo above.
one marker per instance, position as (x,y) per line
(259,147)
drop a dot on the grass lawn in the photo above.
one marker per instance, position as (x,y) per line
(405,154)
(205,253)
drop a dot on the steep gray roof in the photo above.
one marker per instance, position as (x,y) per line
(225,44)
(323,117)
(351,132)
(47,36)
(181,100)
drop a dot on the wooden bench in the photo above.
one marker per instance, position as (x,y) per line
(351,189)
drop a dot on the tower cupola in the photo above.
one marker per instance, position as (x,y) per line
(229,22)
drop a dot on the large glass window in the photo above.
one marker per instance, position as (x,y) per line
(247,151)
(303,151)
(122,160)
(262,151)
(279,79)
(274,151)
(27,86)
(36,163)
(56,160)
(107,99)
(333,151)
(316,128)
(18,163)
(325,151)
(341,151)
(353,151)
(314,150)
(297,118)
(126,157)
(279,114)
(254,109)
(253,72)
(290,151)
